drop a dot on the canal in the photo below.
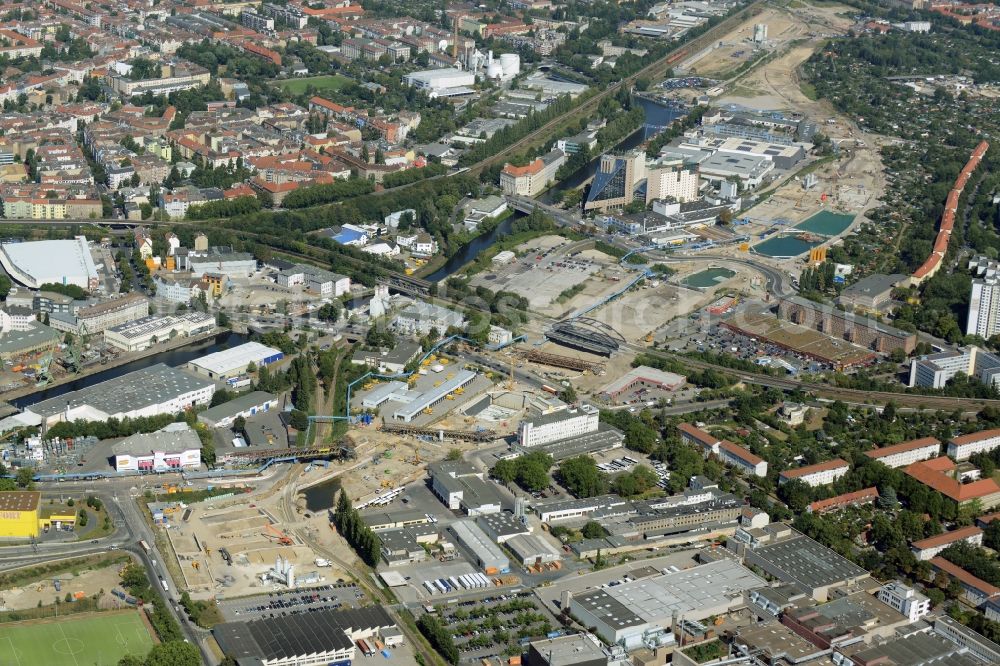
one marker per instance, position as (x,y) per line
(657,114)
(173,357)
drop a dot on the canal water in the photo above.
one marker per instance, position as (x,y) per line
(173,357)
(320,497)
(657,114)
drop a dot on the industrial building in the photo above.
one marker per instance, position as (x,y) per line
(143,333)
(163,451)
(907,453)
(235,361)
(462,487)
(533,549)
(794,558)
(862,331)
(37,338)
(35,263)
(624,613)
(641,377)
(502,527)
(550,511)
(936,370)
(872,293)
(19,514)
(316,280)
(392,360)
(246,405)
(158,389)
(438,81)
(428,399)
(304,639)
(420,317)
(486,554)
(575,650)
(99,317)
(218,261)
(820,474)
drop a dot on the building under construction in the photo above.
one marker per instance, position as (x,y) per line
(568,362)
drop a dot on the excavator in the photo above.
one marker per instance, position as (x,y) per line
(273,533)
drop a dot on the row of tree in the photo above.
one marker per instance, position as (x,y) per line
(361,537)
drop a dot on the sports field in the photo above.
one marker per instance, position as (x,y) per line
(100,639)
(320,83)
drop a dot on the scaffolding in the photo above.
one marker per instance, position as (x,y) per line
(568,362)
(437,433)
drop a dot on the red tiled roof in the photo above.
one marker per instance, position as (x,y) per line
(847,499)
(698,434)
(965,577)
(930,474)
(975,436)
(527,170)
(902,447)
(812,469)
(960,534)
(740,452)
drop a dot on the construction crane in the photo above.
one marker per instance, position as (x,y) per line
(281,537)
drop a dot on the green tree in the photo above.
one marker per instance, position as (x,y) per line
(593,530)
(25,478)
(173,653)
(582,478)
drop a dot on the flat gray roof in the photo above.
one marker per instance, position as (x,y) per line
(570,650)
(808,562)
(12,342)
(238,404)
(142,388)
(175,441)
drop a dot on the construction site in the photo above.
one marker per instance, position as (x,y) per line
(232,549)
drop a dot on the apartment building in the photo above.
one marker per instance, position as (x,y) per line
(931,547)
(907,453)
(726,451)
(821,474)
(671,179)
(102,316)
(964,446)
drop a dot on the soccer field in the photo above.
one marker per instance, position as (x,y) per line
(91,640)
(320,83)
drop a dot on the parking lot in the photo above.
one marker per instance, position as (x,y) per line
(274,604)
(493,626)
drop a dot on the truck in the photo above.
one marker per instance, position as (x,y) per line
(145,546)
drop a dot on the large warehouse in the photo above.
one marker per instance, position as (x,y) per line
(158,451)
(158,389)
(50,261)
(305,639)
(234,362)
(19,514)
(625,612)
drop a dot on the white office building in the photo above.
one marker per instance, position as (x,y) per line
(936,370)
(560,425)
(905,600)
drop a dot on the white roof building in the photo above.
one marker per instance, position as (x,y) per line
(230,362)
(51,261)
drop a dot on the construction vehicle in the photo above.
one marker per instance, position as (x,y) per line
(438,383)
(459,391)
(274,533)
(196,565)
(386,483)
(428,410)
(444,361)
(450,396)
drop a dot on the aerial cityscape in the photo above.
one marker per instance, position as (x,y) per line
(541,332)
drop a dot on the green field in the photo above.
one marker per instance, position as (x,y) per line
(320,83)
(93,640)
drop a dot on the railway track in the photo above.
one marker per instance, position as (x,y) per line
(856,396)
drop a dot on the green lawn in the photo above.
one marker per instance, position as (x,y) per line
(320,83)
(95,640)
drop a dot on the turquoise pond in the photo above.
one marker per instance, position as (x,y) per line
(824,223)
